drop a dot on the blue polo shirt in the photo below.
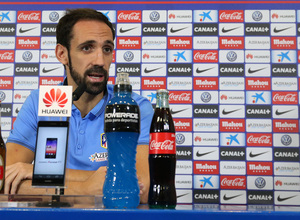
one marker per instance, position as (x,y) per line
(87,144)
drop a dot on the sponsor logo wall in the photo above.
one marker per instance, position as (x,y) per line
(233,80)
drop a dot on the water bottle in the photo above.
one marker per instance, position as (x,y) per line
(122,129)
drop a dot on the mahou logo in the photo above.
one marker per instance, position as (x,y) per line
(183,124)
(206,167)
(285,98)
(231,43)
(7,56)
(284,43)
(29,16)
(6,82)
(260,168)
(231,16)
(259,139)
(258,84)
(51,81)
(233,182)
(180,97)
(55,96)
(129,16)
(28,43)
(289,126)
(180,43)
(206,56)
(236,125)
(206,83)
(129,43)
(154,83)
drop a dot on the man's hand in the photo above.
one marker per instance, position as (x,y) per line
(15,174)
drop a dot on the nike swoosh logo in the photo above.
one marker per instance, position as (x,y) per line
(149,71)
(126,30)
(229,112)
(181,195)
(230,197)
(254,71)
(176,30)
(26,30)
(256,155)
(280,30)
(49,70)
(279,199)
(204,70)
(281,113)
(228,30)
(175,112)
(203,154)
(4,68)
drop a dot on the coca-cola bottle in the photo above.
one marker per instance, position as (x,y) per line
(2,159)
(162,155)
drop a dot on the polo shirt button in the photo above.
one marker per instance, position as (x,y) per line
(81,131)
(79,146)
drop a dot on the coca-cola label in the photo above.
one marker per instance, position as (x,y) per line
(129,16)
(206,56)
(162,143)
(29,16)
(259,139)
(7,56)
(231,16)
(233,182)
(180,97)
(122,118)
(287,98)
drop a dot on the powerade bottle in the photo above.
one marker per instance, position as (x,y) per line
(122,129)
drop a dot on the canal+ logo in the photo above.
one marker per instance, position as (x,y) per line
(55,96)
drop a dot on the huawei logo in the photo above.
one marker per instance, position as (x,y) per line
(55,96)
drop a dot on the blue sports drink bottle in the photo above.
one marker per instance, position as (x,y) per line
(122,129)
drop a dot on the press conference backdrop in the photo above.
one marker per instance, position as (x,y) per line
(231,69)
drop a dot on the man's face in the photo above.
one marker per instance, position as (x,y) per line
(90,55)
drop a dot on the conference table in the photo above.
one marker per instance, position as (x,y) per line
(27,207)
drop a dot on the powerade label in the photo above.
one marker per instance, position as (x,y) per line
(162,143)
(1,171)
(122,118)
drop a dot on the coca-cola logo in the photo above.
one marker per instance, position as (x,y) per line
(285,98)
(180,97)
(206,56)
(129,16)
(259,139)
(7,56)
(166,145)
(233,182)
(29,16)
(231,16)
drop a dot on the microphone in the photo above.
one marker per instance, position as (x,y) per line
(78,92)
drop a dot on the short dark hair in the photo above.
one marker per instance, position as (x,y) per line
(65,25)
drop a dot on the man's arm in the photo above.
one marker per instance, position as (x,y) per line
(18,166)
(78,182)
